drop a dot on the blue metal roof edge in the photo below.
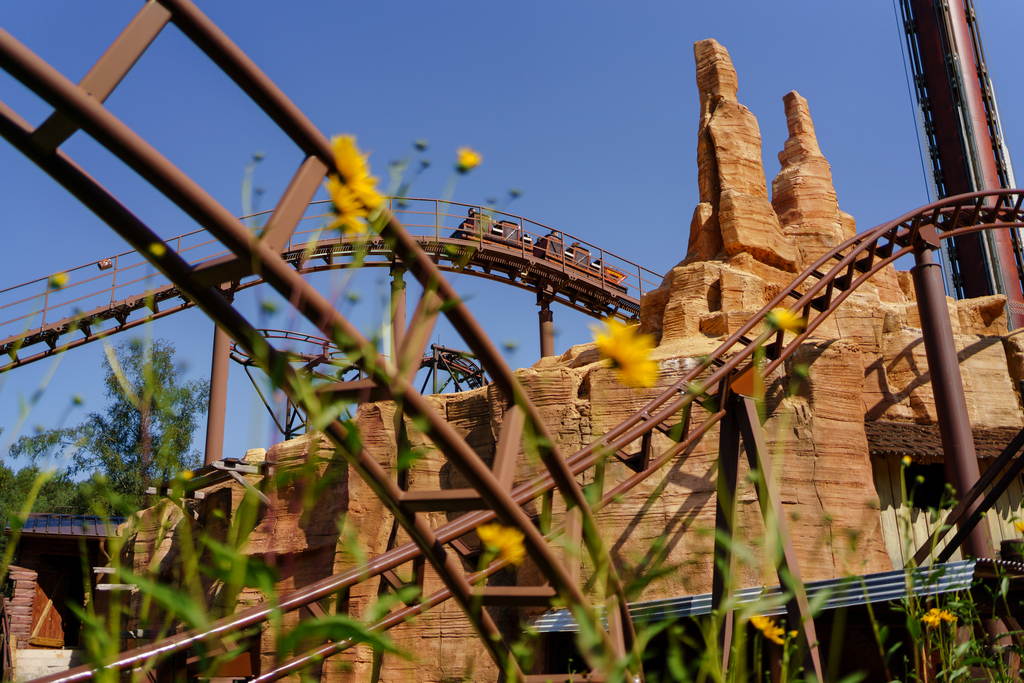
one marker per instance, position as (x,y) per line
(833,593)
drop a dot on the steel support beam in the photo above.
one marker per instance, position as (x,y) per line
(724,572)
(960,459)
(397,310)
(741,421)
(798,609)
(218,396)
(547,330)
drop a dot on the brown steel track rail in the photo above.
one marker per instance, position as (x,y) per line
(818,291)
(552,279)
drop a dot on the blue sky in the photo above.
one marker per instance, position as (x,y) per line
(590,109)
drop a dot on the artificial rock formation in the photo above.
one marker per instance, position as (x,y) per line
(802,192)
(734,214)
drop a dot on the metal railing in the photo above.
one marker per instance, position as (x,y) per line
(96,287)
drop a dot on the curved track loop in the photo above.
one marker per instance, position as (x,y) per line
(82,107)
(606,286)
(821,288)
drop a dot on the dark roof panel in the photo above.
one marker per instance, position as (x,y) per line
(69,525)
(924,441)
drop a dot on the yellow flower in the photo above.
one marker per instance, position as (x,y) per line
(58,280)
(1019,526)
(936,616)
(158,249)
(786,320)
(467,159)
(349,213)
(793,634)
(505,541)
(628,351)
(354,171)
(906,461)
(353,190)
(187,475)
(768,628)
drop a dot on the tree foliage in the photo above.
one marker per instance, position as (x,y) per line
(143,435)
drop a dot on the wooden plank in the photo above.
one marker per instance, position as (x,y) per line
(1015,497)
(958,554)
(41,621)
(1008,506)
(903,522)
(40,641)
(919,527)
(887,511)
(936,524)
(992,517)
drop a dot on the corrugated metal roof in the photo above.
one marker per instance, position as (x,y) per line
(924,441)
(835,593)
(45,523)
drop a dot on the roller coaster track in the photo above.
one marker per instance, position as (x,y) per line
(330,364)
(666,427)
(121,292)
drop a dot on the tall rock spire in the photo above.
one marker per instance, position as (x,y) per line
(734,214)
(802,192)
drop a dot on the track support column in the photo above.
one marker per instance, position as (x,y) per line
(397,310)
(742,424)
(547,329)
(724,568)
(960,459)
(218,396)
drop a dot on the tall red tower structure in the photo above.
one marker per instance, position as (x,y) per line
(963,134)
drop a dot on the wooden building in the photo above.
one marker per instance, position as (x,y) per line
(53,563)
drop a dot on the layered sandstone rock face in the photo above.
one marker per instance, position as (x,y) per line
(866,362)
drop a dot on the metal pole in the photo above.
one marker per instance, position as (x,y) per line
(723,572)
(397,310)
(218,396)
(960,459)
(433,367)
(547,330)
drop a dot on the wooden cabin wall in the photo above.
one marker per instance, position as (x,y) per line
(48,569)
(905,529)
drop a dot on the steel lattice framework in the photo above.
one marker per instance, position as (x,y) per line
(720,386)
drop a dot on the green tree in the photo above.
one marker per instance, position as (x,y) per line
(144,434)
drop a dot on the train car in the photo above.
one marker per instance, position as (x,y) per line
(479,226)
(474,227)
(549,247)
(578,256)
(611,275)
(552,248)
(508,233)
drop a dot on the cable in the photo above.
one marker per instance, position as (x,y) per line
(910,94)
